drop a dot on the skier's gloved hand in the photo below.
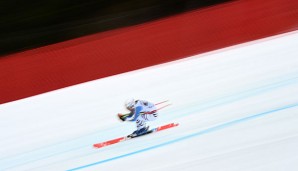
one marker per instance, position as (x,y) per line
(122,116)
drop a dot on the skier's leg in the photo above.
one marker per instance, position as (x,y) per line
(141,126)
(143,118)
(141,122)
(149,117)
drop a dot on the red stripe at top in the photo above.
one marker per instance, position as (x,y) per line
(105,54)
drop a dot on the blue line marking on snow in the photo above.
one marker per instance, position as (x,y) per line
(215,128)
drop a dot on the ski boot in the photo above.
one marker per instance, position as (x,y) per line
(139,132)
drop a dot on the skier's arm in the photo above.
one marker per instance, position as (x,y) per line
(136,114)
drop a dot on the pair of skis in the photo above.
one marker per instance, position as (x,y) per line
(121,139)
(125,138)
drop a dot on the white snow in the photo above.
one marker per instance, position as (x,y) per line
(237,108)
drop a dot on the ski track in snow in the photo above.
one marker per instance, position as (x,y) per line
(237,108)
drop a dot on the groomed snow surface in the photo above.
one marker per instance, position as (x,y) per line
(237,109)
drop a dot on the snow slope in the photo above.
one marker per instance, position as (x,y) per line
(237,108)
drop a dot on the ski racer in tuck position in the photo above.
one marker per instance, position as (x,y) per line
(141,111)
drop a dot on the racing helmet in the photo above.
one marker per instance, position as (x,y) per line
(130,103)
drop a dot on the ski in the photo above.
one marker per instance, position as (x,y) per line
(121,139)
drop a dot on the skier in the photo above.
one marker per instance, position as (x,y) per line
(141,111)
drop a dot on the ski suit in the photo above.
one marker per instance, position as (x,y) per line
(143,111)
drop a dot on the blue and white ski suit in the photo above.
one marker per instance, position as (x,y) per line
(143,111)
